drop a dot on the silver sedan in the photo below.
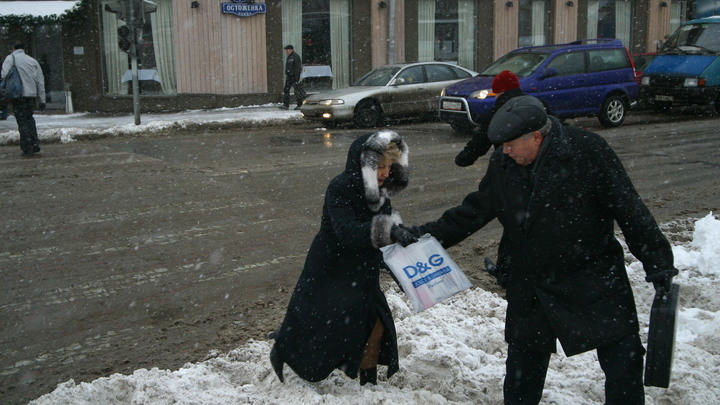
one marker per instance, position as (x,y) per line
(391,91)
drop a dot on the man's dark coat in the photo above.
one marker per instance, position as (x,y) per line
(567,277)
(293,68)
(338,298)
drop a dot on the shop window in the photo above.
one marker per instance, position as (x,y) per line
(610,19)
(446,31)
(156,60)
(678,15)
(533,27)
(319,30)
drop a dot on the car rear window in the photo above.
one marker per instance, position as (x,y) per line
(608,59)
(440,73)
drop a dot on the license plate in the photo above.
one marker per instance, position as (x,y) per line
(452,105)
(664,98)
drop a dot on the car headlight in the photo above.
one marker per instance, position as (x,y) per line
(694,82)
(331,101)
(645,81)
(480,94)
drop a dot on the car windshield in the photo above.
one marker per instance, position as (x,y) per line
(520,63)
(378,77)
(694,38)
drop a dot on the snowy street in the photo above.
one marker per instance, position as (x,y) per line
(149,266)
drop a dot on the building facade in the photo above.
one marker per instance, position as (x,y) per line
(225,53)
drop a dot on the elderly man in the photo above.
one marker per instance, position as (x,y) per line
(558,191)
(293,70)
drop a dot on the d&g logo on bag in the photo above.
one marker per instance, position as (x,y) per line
(420,268)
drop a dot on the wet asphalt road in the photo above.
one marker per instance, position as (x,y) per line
(139,252)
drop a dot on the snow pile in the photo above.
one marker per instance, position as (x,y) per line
(80,126)
(452,353)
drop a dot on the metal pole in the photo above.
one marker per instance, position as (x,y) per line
(136,88)
(133,61)
(391,34)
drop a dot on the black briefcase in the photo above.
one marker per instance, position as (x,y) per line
(661,338)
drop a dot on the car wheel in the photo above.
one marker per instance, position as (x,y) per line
(368,114)
(462,127)
(613,111)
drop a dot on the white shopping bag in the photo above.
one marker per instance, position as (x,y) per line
(425,271)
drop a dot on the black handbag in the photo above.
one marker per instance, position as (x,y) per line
(661,338)
(11,84)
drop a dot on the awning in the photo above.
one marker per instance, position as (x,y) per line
(36,8)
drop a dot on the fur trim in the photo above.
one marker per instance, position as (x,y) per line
(373,150)
(381,226)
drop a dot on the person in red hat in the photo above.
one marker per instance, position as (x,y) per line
(505,85)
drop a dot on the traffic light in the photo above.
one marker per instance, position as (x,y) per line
(119,8)
(131,11)
(134,13)
(125,38)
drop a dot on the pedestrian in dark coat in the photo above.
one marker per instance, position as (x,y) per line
(505,85)
(293,70)
(338,317)
(558,192)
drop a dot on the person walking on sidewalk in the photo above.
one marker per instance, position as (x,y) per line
(293,69)
(33,84)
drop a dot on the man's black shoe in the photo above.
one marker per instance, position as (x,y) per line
(284,107)
(297,108)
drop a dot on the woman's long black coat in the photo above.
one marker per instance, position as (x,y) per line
(566,270)
(338,299)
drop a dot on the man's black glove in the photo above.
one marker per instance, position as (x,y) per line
(492,270)
(662,281)
(402,235)
(41,106)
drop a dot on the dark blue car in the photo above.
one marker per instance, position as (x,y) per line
(593,77)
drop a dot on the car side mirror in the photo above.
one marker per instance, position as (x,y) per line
(549,72)
(398,81)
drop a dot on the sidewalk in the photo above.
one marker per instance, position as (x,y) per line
(70,127)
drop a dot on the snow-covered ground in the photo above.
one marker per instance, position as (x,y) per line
(71,127)
(452,353)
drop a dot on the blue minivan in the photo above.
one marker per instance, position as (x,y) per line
(591,77)
(687,69)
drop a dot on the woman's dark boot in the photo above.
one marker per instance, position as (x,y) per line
(277,364)
(368,375)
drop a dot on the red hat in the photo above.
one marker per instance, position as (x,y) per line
(504,81)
